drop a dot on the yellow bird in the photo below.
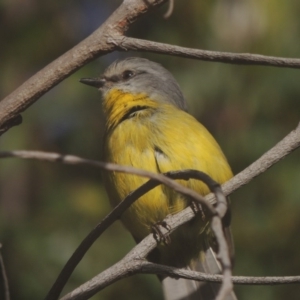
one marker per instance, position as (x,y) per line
(147,127)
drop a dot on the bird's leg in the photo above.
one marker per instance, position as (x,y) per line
(198,209)
(158,235)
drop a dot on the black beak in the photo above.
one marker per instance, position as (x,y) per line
(96,82)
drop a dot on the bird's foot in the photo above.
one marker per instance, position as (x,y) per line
(158,235)
(198,209)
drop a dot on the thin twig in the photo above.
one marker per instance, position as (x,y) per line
(129,43)
(76,160)
(216,225)
(169,12)
(147,267)
(4,277)
(223,252)
(288,144)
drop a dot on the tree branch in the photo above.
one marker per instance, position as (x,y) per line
(287,145)
(133,261)
(75,160)
(282,149)
(132,264)
(4,277)
(128,43)
(146,267)
(169,12)
(107,38)
(92,47)
(275,154)
(114,215)
(223,251)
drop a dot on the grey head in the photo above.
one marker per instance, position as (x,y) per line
(140,75)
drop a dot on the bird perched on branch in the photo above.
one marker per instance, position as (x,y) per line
(147,127)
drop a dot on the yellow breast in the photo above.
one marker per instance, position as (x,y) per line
(158,138)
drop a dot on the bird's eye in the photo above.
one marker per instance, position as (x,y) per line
(127,74)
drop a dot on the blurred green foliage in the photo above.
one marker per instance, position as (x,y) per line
(47,209)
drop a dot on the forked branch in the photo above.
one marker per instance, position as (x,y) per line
(282,149)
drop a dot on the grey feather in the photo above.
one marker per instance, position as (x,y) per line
(184,289)
(153,80)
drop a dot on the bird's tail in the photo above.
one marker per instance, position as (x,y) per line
(184,289)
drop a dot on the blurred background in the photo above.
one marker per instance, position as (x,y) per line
(47,209)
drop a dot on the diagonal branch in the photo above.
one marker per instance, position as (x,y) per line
(287,145)
(133,264)
(282,149)
(107,38)
(114,215)
(223,251)
(92,47)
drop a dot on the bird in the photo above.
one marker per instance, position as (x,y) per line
(147,126)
